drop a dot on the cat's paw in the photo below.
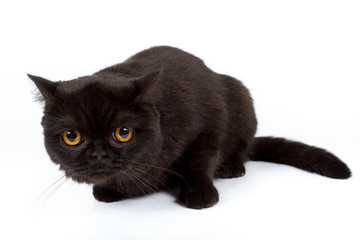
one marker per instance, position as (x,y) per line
(106,195)
(199,196)
(233,172)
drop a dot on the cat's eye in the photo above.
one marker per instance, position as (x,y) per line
(71,137)
(123,134)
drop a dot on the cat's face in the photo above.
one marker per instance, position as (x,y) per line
(96,129)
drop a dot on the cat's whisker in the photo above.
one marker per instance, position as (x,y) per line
(153,178)
(145,189)
(69,187)
(122,182)
(165,170)
(54,190)
(46,194)
(149,185)
(131,190)
(41,200)
(40,197)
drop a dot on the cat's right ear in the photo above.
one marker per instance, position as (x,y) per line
(46,87)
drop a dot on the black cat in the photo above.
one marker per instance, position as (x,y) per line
(158,121)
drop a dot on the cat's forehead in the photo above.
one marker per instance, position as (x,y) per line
(92,112)
(92,119)
(83,83)
(93,102)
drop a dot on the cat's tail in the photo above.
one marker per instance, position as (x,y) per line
(300,155)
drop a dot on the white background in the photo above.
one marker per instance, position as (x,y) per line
(300,60)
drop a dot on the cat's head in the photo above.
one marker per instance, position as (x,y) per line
(98,126)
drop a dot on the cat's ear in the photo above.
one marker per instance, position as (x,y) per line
(46,87)
(144,84)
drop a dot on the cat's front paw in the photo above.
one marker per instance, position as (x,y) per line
(103,194)
(199,196)
(233,172)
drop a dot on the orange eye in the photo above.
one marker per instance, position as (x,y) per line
(123,134)
(71,137)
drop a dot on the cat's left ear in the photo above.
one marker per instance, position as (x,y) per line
(144,85)
(46,87)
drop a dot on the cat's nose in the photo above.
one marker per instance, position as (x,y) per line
(99,155)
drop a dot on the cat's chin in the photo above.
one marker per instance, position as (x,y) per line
(95,175)
(95,178)
(99,178)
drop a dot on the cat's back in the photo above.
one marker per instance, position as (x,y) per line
(164,55)
(169,60)
(185,74)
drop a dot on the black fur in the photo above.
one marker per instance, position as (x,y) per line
(191,125)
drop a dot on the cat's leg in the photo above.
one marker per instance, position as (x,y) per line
(233,165)
(197,167)
(235,154)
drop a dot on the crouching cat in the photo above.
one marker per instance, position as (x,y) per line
(162,120)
